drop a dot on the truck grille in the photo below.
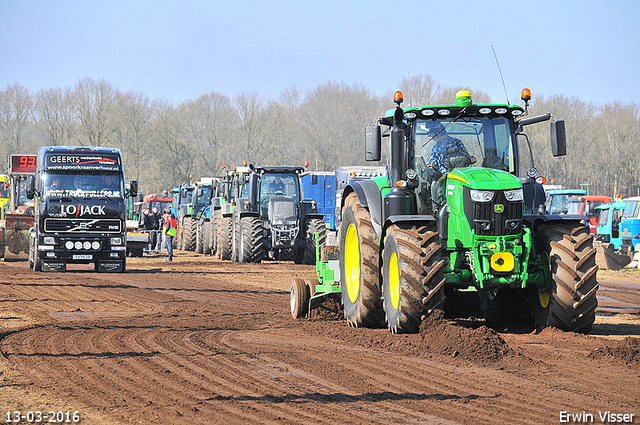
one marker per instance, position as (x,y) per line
(488,222)
(82,225)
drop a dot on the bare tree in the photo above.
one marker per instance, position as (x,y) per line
(133,130)
(210,130)
(259,125)
(16,118)
(95,104)
(56,112)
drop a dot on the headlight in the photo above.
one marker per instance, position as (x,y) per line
(514,195)
(277,221)
(86,245)
(482,195)
(68,245)
(95,245)
(49,240)
(291,222)
(115,241)
(78,245)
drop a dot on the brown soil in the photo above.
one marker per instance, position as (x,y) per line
(212,342)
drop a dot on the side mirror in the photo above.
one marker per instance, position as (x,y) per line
(133,189)
(372,143)
(314,179)
(31,187)
(558,139)
(199,192)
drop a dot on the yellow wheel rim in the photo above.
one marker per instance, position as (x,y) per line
(394,281)
(544,298)
(352,263)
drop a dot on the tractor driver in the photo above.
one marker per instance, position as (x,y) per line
(447,153)
(277,185)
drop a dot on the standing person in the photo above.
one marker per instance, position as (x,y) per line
(160,227)
(155,227)
(169,230)
(146,224)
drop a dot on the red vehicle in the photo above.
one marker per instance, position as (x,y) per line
(586,205)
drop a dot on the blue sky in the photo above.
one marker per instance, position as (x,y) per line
(177,50)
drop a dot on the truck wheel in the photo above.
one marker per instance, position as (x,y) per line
(571,302)
(189,241)
(224,238)
(359,261)
(314,225)
(413,282)
(199,238)
(252,244)
(206,241)
(299,299)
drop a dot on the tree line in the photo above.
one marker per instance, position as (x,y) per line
(162,143)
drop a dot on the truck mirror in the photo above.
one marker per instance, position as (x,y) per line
(199,192)
(558,138)
(133,189)
(31,187)
(372,143)
(314,179)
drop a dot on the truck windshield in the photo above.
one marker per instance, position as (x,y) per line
(632,210)
(83,185)
(487,141)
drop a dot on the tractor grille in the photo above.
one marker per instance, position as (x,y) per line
(488,222)
(82,225)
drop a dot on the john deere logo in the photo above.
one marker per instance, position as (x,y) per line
(498,208)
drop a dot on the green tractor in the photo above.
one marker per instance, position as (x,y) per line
(455,214)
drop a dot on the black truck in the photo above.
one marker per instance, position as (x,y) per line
(80,209)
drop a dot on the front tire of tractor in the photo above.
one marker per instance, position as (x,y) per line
(359,265)
(252,244)
(314,225)
(300,297)
(206,241)
(413,282)
(571,302)
(189,241)
(224,237)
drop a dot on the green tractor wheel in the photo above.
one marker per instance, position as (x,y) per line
(359,250)
(571,302)
(413,283)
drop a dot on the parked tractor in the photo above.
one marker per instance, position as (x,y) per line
(18,211)
(222,208)
(457,213)
(272,220)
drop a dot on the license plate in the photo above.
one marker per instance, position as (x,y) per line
(82,256)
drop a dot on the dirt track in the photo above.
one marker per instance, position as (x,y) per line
(203,341)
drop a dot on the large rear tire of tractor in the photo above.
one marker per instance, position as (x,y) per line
(217,216)
(189,234)
(413,283)
(224,238)
(359,259)
(206,241)
(199,238)
(299,301)
(571,302)
(252,244)
(315,225)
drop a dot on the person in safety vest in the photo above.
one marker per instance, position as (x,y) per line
(169,231)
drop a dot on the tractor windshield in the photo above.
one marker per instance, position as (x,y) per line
(486,140)
(279,184)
